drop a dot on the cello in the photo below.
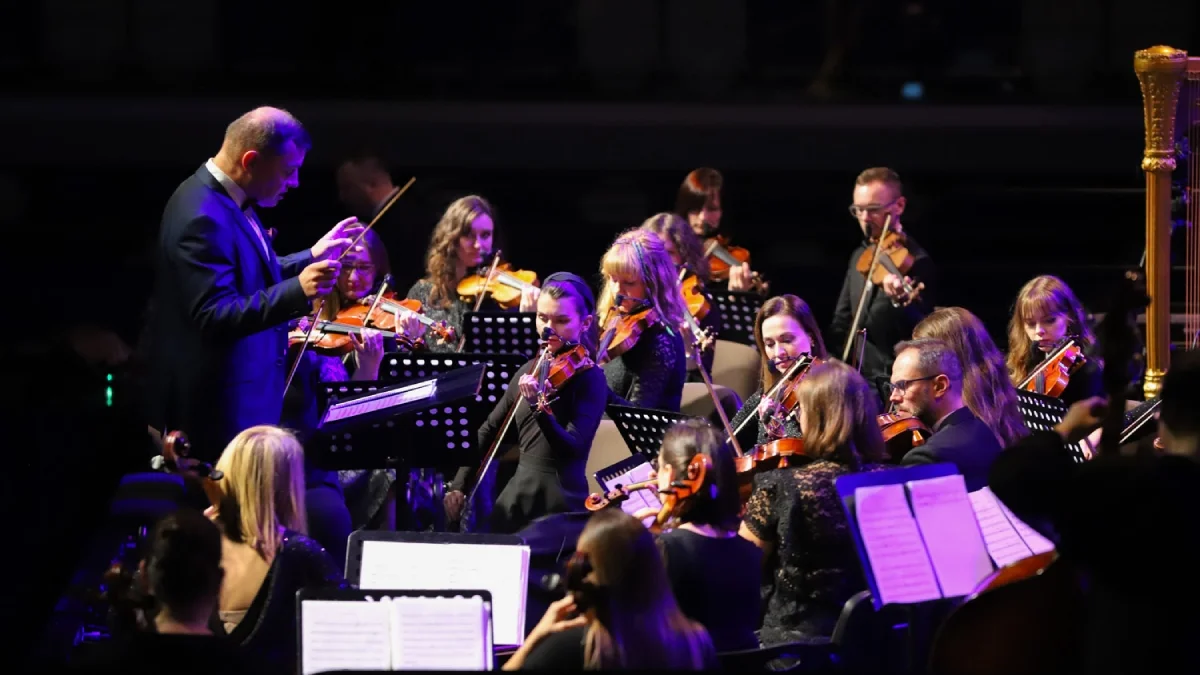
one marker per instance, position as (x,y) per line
(1030,616)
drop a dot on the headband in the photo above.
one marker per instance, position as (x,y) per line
(581,288)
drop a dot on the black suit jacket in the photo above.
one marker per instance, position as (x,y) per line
(886,325)
(964,440)
(219,333)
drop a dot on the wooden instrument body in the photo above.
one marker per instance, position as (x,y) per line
(901,432)
(505,285)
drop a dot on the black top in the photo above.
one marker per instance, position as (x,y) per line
(814,568)
(886,325)
(1130,522)
(154,653)
(1084,383)
(651,374)
(561,440)
(964,440)
(454,315)
(561,651)
(755,432)
(716,583)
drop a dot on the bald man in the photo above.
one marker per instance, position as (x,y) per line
(222,297)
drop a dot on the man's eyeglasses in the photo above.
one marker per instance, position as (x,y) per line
(869,209)
(900,385)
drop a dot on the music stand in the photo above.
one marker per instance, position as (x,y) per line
(501,333)
(738,311)
(1042,412)
(369,425)
(643,429)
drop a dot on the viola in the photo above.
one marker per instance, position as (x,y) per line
(501,281)
(772,455)
(623,329)
(332,338)
(901,432)
(722,257)
(556,371)
(601,500)
(1053,374)
(383,310)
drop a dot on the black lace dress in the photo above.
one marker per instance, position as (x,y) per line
(651,374)
(755,432)
(813,569)
(268,628)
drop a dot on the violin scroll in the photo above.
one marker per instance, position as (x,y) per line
(601,500)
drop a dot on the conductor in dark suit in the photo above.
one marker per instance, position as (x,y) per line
(927,381)
(222,298)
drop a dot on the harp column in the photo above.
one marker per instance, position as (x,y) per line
(1160,73)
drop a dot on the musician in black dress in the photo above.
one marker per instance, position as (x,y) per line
(554,439)
(784,329)
(878,193)
(639,275)
(1047,312)
(686,250)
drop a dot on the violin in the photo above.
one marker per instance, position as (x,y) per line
(675,498)
(501,281)
(784,391)
(1052,375)
(332,338)
(175,459)
(601,500)
(901,432)
(771,455)
(622,331)
(722,257)
(556,371)
(695,299)
(890,256)
(382,309)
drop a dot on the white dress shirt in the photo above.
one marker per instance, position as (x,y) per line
(239,197)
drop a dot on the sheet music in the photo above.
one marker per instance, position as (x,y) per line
(948,526)
(640,499)
(502,570)
(387,399)
(337,635)
(439,633)
(899,562)
(1003,543)
(1036,542)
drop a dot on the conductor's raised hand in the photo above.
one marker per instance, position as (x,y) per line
(319,278)
(336,241)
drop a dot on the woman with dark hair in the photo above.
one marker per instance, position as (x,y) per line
(784,329)
(619,613)
(796,516)
(554,429)
(176,588)
(715,574)
(699,203)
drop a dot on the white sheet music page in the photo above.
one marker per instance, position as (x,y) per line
(947,523)
(502,570)
(1003,543)
(345,635)
(640,499)
(439,633)
(903,573)
(1036,542)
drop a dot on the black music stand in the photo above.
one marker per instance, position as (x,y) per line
(501,333)
(642,428)
(1042,412)
(738,311)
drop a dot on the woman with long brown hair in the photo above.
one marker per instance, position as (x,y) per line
(699,203)
(796,516)
(987,392)
(461,242)
(784,329)
(1045,313)
(619,613)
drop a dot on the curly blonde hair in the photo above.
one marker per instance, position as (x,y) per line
(441,262)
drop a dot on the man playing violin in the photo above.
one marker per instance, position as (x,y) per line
(891,311)
(927,383)
(222,296)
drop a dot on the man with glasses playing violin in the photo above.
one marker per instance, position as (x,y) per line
(901,296)
(927,383)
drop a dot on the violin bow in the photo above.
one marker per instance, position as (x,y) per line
(462,341)
(696,350)
(867,285)
(321,302)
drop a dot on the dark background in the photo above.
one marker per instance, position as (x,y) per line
(1020,156)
